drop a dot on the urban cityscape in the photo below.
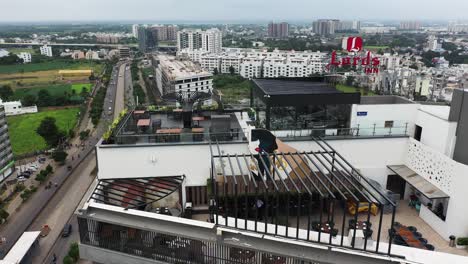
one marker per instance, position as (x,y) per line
(247,132)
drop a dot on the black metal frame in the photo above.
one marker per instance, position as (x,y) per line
(147,189)
(323,179)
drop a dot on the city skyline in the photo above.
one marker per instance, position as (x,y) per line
(211,10)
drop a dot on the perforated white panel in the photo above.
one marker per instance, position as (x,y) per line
(434,166)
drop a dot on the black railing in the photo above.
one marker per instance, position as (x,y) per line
(171,249)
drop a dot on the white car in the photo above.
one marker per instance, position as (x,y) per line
(21,178)
(32,169)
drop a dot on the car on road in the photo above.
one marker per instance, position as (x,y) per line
(21,178)
(42,160)
(67,230)
(26,172)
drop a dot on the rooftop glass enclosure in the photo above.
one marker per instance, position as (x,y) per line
(285,104)
(312,196)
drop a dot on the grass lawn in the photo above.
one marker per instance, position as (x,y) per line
(351,89)
(19,50)
(233,87)
(22,129)
(58,89)
(51,65)
(79,87)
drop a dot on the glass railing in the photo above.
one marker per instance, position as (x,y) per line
(235,135)
(357,132)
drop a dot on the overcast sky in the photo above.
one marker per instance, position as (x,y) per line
(229,10)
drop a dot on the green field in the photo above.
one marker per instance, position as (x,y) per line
(233,87)
(22,129)
(57,89)
(78,88)
(351,89)
(19,50)
(52,65)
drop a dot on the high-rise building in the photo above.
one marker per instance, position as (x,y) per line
(278,30)
(46,50)
(410,25)
(135,30)
(166,32)
(6,153)
(350,25)
(147,39)
(210,40)
(325,27)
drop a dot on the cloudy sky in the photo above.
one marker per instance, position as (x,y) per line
(229,10)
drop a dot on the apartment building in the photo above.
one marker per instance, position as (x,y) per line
(7,164)
(46,50)
(325,27)
(248,195)
(208,41)
(25,56)
(166,32)
(410,25)
(278,30)
(135,30)
(174,76)
(260,63)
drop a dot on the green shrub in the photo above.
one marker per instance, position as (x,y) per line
(68,260)
(49,169)
(19,187)
(462,241)
(74,252)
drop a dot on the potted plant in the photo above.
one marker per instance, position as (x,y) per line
(462,242)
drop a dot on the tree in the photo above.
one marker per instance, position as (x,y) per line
(50,132)
(59,156)
(44,98)
(6,92)
(74,252)
(349,80)
(68,260)
(215,71)
(232,71)
(29,100)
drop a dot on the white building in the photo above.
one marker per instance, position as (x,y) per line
(46,51)
(25,56)
(210,40)
(181,76)
(394,148)
(253,62)
(16,108)
(4,53)
(135,30)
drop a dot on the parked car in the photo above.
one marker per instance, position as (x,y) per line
(32,169)
(27,176)
(26,172)
(42,160)
(21,178)
(67,229)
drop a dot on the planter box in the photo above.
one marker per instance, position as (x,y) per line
(460,247)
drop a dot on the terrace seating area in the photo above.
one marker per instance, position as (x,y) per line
(176,126)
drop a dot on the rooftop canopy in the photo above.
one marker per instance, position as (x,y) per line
(295,93)
(428,189)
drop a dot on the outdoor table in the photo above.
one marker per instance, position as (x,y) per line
(198,119)
(409,238)
(168,134)
(197,133)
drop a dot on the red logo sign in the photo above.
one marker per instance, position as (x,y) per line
(354,44)
(369,63)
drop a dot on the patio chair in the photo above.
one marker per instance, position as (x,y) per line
(423,240)
(430,247)
(412,229)
(417,234)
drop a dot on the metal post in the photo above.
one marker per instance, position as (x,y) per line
(373,132)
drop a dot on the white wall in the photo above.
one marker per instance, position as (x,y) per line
(437,132)
(378,114)
(149,161)
(370,156)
